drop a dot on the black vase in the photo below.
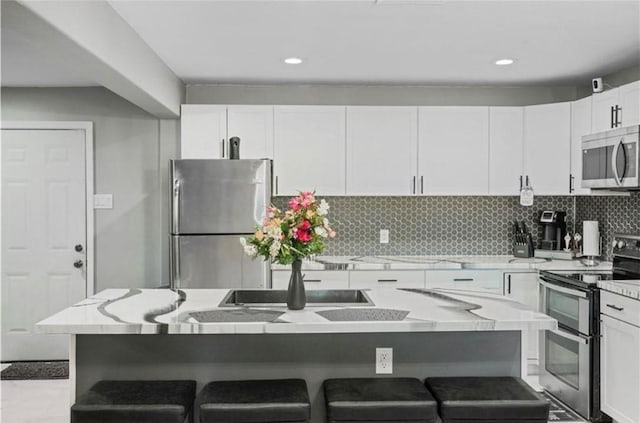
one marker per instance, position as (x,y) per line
(296,297)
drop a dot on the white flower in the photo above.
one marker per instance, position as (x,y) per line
(325,222)
(274,249)
(251,250)
(323,208)
(243,241)
(274,232)
(321,231)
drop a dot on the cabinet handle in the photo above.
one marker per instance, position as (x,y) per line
(611,118)
(615,307)
(387,280)
(313,280)
(509,284)
(571,178)
(463,279)
(617,121)
(421,184)
(413,190)
(520,182)
(222,142)
(276,185)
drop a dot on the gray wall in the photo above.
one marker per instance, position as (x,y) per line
(131,150)
(377,95)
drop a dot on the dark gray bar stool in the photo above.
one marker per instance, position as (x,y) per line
(482,399)
(255,401)
(118,401)
(387,400)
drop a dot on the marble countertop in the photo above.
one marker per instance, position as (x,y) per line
(630,288)
(440,263)
(197,311)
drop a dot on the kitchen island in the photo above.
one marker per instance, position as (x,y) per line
(189,334)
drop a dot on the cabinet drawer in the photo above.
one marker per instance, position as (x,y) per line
(622,308)
(386,279)
(313,279)
(474,280)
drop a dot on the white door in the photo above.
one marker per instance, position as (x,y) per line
(43,220)
(254,126)
(602,116)
(580,126)
(505,150)
(382,146)
(547,145)
(630,104)
(203,132)
(309,150)
(523,287)
(453,150)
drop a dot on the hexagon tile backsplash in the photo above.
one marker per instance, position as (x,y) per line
(433,225)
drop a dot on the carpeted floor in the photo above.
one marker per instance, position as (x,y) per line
(36,370)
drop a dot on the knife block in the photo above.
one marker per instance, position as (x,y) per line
(523,249)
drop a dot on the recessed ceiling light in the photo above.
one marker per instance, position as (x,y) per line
(504,62)
(293,60)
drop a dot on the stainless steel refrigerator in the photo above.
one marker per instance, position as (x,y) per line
(214,203)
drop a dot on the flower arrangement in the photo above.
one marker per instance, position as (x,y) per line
(294,234)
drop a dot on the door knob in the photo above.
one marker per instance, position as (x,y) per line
(78,264)
(78,248)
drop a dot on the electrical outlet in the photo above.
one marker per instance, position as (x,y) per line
(384,361)
(384,236)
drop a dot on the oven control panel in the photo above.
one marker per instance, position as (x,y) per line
(626,245)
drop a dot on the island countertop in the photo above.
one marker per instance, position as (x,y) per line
(198,311)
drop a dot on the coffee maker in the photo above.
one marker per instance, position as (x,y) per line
(555,228)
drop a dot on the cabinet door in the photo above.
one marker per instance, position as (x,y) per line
(203,131)
(523,287)
(254,126)
(386,279)
(468,280)
(629,101)
(382,150)
(313,279)
(601,104)
(620,370)
(505,150)
(580,126)
(453,150)
(547,144)
(309,150)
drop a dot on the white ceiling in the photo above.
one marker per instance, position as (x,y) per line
(435,42)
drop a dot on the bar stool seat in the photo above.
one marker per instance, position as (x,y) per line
(379,400)
(255,401)
(118,401)
(492,399)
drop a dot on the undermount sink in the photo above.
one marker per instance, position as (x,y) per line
(278,298)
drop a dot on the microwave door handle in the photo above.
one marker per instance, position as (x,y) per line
(575,338)
(614,162)
(567,291)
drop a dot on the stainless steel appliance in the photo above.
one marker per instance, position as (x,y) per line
(611,159)
(555,228)
(214,203)
(570,356)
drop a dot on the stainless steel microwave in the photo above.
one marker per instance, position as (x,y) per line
(610,159)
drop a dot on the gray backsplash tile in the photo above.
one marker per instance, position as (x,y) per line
(614,214)
(433,225)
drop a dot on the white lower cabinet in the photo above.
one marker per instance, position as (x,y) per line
(386,279)
(523,287)
(620,358)
(314,279)
(472,280)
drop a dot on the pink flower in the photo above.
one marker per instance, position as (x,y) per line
(294,204)
(332,234)
(304,236)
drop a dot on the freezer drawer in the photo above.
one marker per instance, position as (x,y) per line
(216,261)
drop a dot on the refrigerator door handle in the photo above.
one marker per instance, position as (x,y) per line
(174,263)
(176,205)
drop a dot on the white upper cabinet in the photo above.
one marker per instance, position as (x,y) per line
(616,108)
(547,135)
(382,150)
(580,126)
(505,150)
(203,131)
(254,126)
(309,149)
(453,150)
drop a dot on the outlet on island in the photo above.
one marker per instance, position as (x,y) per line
(384,361)
(384,236)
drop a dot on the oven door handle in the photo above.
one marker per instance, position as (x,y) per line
(567,291)
(576,338)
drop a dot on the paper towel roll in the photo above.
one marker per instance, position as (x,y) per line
(590,238)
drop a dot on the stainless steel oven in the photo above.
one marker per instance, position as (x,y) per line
(611,159)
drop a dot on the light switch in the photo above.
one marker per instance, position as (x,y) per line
(103,201)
